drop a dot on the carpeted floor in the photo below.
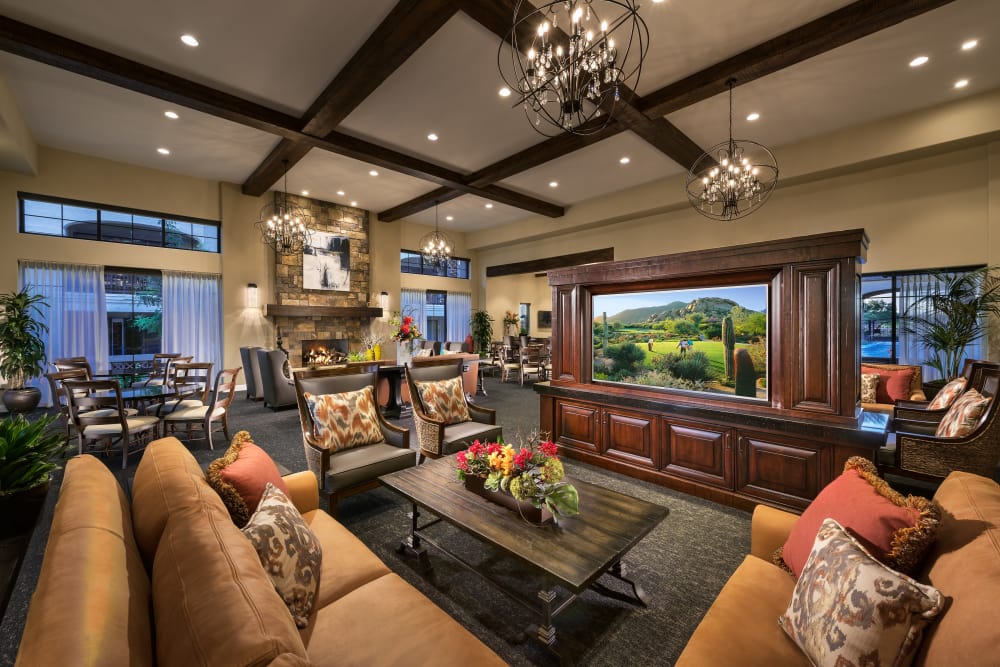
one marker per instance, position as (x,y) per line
(682,564)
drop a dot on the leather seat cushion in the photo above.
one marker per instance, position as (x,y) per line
(347,562)
(360,464)
(459,436)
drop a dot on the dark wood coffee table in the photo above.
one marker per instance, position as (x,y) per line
(571,555)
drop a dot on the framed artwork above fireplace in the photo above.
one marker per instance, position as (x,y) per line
(326,263)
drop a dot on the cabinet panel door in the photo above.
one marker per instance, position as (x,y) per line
(577,426)
(816,337)
(630,436)
(781,472)
(699,453)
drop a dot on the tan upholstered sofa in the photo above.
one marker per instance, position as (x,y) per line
(741,627)
(916,386)
(170,580)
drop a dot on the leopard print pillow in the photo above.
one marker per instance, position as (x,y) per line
(444,400)
(344,420)
(869,387)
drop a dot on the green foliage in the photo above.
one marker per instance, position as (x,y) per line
(746,376)
(22,349)
(626,358)
(753,327)
(563,500)
(694,366)
(481,325)
(26,451)
(953,315)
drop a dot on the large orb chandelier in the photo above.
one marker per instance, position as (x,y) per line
(732,179)
(569,60)
(282,225)
(436,247)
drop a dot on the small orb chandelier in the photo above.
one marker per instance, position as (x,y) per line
(436,247)
(569,58)
(732,179)
(282,225)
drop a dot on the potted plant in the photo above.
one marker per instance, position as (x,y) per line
(27,449)
(22,349)
(953,314)
(482,331)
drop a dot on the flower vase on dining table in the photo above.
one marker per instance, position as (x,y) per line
(404,351)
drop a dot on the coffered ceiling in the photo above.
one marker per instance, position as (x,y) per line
(349,87)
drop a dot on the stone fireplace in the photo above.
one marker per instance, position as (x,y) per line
(320,352)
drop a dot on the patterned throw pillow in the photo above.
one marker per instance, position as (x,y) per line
(288,550)
(345,420)
(869,386)
(241,475)
(849,609)
(444,400)
(948,394)
(895,529)
(963,415)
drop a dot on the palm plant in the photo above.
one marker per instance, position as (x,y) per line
(482,330)
(952,315)
(26,452)
(22,348)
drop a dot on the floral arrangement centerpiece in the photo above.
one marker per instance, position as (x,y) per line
(532,473)
(404,328)
(511,320)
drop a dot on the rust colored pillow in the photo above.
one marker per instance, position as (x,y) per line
(241,476)
(896,530)
(892,385)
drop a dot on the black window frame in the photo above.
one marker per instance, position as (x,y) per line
(163,218)
(451,270)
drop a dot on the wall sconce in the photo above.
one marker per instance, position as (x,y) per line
(253,296)
(383,302)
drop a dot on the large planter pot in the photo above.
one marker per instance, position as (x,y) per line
(528,511)
(22,400)
(19,510)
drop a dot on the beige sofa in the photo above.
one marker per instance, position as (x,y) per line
(741,627)
(170,580)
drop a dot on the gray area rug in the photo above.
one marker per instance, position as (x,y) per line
(682,564)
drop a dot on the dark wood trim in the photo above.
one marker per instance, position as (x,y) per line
(837,28)
(275,310)
(401,33)
(418,204)
(549,263)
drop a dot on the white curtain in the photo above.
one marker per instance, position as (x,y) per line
(458,312)
(192,316)
(911,289)
(413,302)
(75,313)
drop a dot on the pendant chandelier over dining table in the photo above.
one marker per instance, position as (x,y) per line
(282,224)
(572,60)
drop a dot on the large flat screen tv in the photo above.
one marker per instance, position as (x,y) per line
(710,340)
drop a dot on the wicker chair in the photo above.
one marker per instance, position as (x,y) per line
(972,371)
(348,471)
(435,437)
(920,455)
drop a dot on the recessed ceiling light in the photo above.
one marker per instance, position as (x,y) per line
(489,205)
(553,184)
(625,160)
(190,40)
(970,44)
(340,193)
(918,61)
(753,116)
(505,92)
(373,173)
(305,193)
(961,83)
(354,203)
(172,115)
(163,151)
(449,217)
(432,137)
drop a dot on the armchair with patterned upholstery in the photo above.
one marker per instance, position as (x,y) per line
(348,443)
(445,420)
(972,377)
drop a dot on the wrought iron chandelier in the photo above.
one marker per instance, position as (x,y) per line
(436,247)
(282,225)
(732,179)
(570,60)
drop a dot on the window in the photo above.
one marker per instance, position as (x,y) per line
(134,301)
(525,315)
(96,222)
(411,261)
(435,314)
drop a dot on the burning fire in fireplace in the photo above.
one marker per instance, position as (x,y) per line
(324,352)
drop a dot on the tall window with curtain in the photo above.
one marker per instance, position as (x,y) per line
(75,312)
(413,302)
(459,305)
(192,316)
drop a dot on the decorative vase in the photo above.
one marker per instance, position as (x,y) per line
(404,351)
(21,400)
(529,512)
(377,351)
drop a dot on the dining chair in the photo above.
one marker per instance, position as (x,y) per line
(99,416)
(191,383)
(205,414)
(530,362)
(59,400)
(160,374)
(71,363)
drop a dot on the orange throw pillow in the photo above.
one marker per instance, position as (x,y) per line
(241,476)
(896,530)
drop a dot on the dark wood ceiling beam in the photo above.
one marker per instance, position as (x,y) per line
(549,263)
(418,204)
(837,28)
(397,37)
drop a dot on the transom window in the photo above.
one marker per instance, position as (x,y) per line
(411,261)
(68,218)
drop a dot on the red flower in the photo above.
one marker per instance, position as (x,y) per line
(549,448)
(407,321)
(522,458)
(493,448)
(405,328)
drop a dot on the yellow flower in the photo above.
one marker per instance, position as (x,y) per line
(495,460)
